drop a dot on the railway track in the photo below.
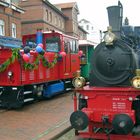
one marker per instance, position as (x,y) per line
(63,134)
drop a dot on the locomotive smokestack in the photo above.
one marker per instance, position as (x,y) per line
(115,15)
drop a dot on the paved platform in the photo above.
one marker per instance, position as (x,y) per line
(39,121)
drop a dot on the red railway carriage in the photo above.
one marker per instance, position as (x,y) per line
(42,68)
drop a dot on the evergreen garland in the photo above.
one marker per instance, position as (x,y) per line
(31,66)
(28,66)
(45,62)
(9,61)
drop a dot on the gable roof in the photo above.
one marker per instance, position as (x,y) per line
(69,5)
(86,21)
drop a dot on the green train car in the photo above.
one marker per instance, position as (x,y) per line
(87,47)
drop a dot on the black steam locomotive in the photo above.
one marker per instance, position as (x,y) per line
(109,107)
(117,58)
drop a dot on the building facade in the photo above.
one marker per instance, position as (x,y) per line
(71,11)
(38,14)
(10,19)
(41,14)
(82,33)
(93,33)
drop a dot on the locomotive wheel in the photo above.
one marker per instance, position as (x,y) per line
(79,120)
(12,100)
(122,124)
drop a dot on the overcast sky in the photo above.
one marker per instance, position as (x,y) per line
(95,11)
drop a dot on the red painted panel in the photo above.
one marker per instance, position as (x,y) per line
(107,101)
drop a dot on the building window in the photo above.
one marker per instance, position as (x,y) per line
(87,27)
(50,17)
(14,34)
(59,22)
(55,20)
(2,28)
(47,15)
(62,25)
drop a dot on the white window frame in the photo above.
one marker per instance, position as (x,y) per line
(2,27)
(14,30)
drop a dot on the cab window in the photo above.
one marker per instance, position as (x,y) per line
(67,47)
(73,46)
(31,42)
(52,44)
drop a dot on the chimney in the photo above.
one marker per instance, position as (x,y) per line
(115,15)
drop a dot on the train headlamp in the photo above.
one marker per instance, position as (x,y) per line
(109,37)
(78,82)
(136,82)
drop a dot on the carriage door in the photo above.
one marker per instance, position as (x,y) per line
(67,58)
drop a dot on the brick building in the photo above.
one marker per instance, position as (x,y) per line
(71,11)
(10,19)
(41,14)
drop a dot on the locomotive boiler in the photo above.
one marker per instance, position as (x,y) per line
(109,107)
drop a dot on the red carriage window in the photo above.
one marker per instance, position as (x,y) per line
(67,47)
(53,44)
(31,42)
(73,46)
